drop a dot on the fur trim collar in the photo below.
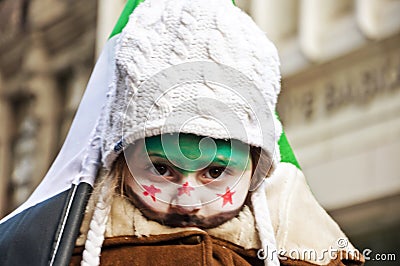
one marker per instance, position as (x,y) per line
(126,219)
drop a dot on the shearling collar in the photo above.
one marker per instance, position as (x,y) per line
(126,219)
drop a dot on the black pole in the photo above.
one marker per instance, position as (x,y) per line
(70,223)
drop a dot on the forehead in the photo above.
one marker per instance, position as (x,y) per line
(191,148)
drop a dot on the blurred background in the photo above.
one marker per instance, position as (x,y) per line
(340,99)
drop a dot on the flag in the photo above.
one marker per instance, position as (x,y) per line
(43,230)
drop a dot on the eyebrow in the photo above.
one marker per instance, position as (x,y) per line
(223,160)
(157,155)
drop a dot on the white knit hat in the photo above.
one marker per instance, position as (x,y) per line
(200,67)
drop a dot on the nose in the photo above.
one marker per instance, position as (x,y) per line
(186,200)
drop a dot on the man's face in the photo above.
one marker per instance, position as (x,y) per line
(186,180)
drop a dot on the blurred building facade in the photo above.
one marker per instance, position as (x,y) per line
(46,57)
(340,106)
(340,99)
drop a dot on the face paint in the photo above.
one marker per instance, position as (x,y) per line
(185,189)
(188,153)
(152,191)
(227,197)
(187,182)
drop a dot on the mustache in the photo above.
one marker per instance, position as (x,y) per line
(185,220)
(182,220)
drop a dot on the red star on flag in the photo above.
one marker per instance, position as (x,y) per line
(227,197)
(151,190)
(185,189)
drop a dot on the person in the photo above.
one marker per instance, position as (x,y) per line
(182,189)
(193,169)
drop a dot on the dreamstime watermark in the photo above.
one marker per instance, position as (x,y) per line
(370,255)
(341,251)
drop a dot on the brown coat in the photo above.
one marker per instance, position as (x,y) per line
(182,248)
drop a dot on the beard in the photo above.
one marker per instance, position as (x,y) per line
(186,220)
(175,219)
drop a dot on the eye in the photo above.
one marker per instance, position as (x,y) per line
(160,169)
(214,172)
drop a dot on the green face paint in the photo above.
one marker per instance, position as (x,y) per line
(190,153)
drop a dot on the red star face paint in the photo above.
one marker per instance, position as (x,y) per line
(151,191)
(227,196)
(185,189)
(188,180)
